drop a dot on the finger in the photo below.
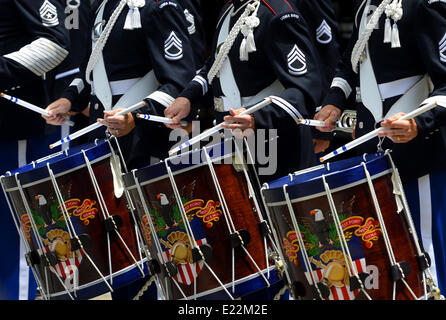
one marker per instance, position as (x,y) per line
(242,119)
(234,126)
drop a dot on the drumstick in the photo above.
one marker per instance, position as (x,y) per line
(311,122)
(31,107)
(158,119)
(218,127)
(95,125)
(375,132)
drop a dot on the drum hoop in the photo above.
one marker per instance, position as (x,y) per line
(237,282)
(322,193)
(100,281)
(30,184)
(166,176)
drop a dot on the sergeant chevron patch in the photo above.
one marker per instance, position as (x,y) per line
(323,33)
(173,47)
(297,64)
(48,14)
(443,49)
(191,19)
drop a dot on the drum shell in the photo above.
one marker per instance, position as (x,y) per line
(363,232)
(87,217)
(195,185)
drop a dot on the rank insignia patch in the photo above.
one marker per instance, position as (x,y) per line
(323,33)
(173,47)
(297,64)
(48,14)
(443,49)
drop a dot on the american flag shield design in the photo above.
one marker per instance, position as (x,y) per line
(177,248)
(330,268)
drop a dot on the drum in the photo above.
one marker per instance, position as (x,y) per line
(355,239)
(205,231)
(75,222)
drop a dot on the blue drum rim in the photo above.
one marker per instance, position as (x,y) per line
(98,287)
(337,174)
(61,162)
(158,170)
(244,286)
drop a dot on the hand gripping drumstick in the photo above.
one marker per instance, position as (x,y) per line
(95,125)
(31,107)
(218,127)
(158,119)
(430,104)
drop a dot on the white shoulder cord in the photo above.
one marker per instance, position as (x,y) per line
(394,11)
(227,45)
(133,21)
(100,44)
(360,45)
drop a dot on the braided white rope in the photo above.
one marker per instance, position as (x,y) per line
(360,45)
(227,45)
(144,288)
(100,44)
(280,293)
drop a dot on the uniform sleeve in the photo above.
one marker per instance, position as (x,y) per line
(430,32)
(345,79)
(78,91)
(171,54)
(199,86)
(43,20)
(291,53)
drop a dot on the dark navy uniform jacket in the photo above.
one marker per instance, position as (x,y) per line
(193,15)
(422,31)
(130,54)
(33,41)
(322,22)
(285,53)
(61,76)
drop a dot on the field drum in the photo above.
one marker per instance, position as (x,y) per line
(356,238)
(75,223)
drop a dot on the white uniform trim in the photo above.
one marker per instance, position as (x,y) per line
(40,56)
(162,98)
(202,81)
(79,84)
(343,85)
(286,106)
